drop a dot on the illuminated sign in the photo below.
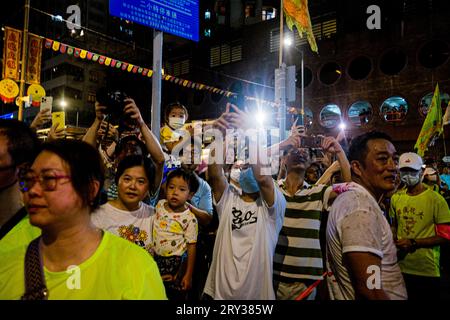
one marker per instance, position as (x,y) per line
(178,17)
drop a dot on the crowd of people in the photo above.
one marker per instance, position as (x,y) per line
(122,214)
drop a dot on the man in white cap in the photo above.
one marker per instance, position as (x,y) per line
(422,220)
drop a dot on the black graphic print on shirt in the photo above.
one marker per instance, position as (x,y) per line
(241,219)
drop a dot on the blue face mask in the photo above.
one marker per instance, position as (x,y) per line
(248,182)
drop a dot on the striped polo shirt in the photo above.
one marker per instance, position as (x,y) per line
(298,254)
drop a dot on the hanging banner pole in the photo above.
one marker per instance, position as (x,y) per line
(24,58)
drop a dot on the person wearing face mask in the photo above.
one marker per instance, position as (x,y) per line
(171,133)
(248,228)
(235,174)
(431,179)
(422,222)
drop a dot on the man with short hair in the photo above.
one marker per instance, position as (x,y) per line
(420,213)
(18,147)
(361,252)
(298,259)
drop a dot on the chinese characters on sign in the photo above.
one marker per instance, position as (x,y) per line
(11,53)
(178,17)
(33,74)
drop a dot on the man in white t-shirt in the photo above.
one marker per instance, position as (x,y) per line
(361,252)
(248,230)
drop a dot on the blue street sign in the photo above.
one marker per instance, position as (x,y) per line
(178,17)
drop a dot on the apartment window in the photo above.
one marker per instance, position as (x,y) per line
(221,11)
(360,68)
(393,61)
(64,69)
(433,54)
(268,13)
(178,68)
(360,113)
(394,109)
(225,53)
(330,116)
(93,76)
(91,97)
(330,73)
(425,102)
(221,7)
(72,93)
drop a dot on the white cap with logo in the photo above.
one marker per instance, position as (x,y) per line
(410,160)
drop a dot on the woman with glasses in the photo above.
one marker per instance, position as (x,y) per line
(77,260)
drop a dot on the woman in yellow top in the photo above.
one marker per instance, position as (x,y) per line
(79,261)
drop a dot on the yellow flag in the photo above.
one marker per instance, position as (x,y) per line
(432,126)
(83,54)
(297,15)
(56,45)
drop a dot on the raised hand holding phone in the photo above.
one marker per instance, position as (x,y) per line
(46,104)
(59,119)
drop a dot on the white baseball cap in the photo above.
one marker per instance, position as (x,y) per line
(410,160)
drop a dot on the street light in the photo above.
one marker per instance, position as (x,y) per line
(63,104)
(287,41)
(261,118)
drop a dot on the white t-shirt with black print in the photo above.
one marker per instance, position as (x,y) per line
(245,243)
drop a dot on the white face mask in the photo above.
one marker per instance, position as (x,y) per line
(410,179)
(176,123)
(235,174)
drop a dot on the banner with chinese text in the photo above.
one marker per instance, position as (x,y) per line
(33,74)
(11,54)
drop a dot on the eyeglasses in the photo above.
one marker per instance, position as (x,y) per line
(47,180)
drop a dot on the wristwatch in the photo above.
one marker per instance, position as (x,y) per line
(413,245)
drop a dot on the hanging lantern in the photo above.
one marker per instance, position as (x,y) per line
(8,90)
(36,92)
